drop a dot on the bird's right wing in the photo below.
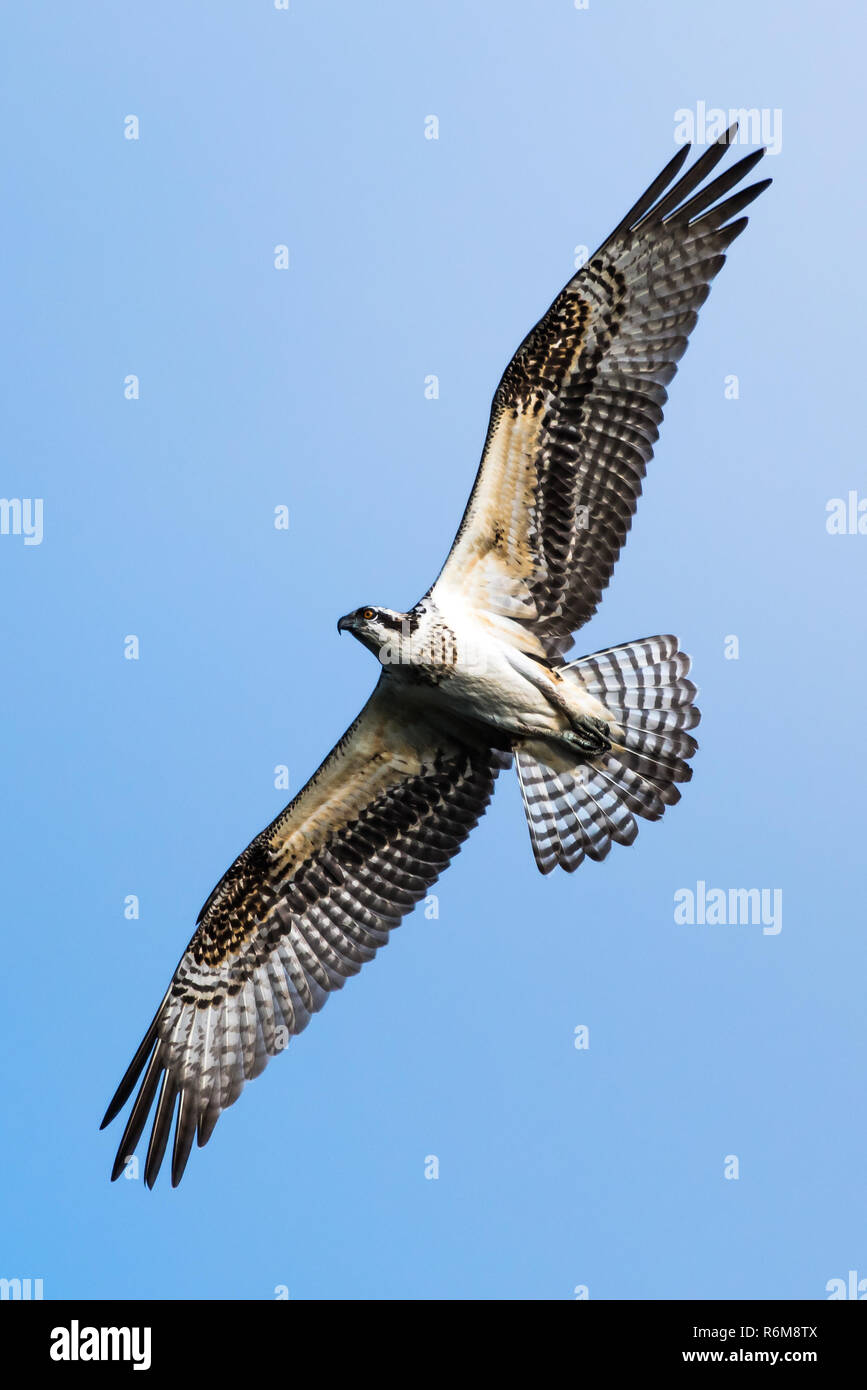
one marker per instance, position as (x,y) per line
(577,412)
(306,904)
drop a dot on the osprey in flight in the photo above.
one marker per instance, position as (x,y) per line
(472,677)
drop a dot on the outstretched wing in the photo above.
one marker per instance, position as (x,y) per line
(577,413)
(306,904)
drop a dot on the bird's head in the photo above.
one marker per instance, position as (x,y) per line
(378,629)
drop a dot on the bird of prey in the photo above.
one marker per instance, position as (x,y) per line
(475,676)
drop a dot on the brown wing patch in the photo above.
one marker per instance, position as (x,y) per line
(542,363)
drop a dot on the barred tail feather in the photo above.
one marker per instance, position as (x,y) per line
(572,811)
(577,810)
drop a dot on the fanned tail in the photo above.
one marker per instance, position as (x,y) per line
(577,809)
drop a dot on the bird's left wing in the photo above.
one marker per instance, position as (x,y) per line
(306,904)
(576,415)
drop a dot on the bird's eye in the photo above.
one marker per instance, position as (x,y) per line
(367,614)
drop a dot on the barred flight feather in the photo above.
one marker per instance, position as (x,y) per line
(301,909)
(577,412)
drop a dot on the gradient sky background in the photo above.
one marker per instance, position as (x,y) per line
(558,1167)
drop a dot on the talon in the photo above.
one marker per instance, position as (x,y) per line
(591,735)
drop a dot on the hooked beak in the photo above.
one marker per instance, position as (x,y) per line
(345,624)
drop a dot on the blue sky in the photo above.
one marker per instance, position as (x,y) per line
(558,1167)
